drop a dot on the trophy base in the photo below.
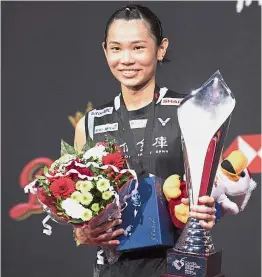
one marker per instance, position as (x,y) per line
(183,264)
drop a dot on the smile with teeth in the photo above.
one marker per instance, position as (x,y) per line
(129,70)
(129,73)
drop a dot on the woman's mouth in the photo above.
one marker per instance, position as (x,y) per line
(129,73)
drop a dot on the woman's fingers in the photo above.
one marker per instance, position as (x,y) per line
(110,243)
(110,235)
(206,217)
(207,200)
(207,225)
(203,209)
(104,227)
(205,212)
(185,201)
(80,235)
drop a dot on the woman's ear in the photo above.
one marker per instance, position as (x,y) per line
(162,49)
(104,47)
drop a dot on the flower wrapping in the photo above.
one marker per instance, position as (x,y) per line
(83,188)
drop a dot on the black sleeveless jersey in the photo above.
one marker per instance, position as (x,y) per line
(164,157)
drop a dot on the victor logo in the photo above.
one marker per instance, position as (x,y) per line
(163,122)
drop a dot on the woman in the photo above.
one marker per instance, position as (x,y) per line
(143,120)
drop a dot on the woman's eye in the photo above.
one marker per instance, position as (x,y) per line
(115,48)
(139,47)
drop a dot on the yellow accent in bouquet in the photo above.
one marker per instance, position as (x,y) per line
(78,115)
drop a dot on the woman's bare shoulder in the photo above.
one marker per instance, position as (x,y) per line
(80,134)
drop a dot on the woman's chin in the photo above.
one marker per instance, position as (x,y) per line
(131,83)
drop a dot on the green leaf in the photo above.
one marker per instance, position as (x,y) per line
(59,200)
(75,220)
(59,208)
(45,170)
(40,177)
(67,149)
(89,144)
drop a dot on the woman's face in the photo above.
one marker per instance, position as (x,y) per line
(132,53)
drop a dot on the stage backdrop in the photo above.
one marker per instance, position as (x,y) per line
(53,66)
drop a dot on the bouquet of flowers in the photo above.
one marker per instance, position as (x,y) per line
(83,188)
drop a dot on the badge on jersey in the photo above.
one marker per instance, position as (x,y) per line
(171,101)
(99,113)
(138,123)
(109,127)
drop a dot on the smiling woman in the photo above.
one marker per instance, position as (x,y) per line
(133,46)
(143,120)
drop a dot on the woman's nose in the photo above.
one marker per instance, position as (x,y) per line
(127,57)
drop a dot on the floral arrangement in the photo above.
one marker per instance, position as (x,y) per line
(80,186)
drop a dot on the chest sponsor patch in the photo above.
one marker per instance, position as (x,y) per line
(99,113)
(109,127)
(137,123)
(171,101)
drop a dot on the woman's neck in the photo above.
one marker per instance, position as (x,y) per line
(138,98)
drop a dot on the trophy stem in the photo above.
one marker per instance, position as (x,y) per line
(195,239)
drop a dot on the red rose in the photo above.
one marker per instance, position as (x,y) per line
(81,170)
(115,159)
(62,187)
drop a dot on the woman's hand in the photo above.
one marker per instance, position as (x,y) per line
(99,235)
(206,212)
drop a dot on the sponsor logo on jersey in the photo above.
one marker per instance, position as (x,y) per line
(171,101)
(163,122)
(99,113)
(106,128)
(138,123)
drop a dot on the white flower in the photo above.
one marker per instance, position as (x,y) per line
(77,196)
(84,186)
(95,207)
(86,198)
(103,184)
(87,215)
(72,208)
(96,152)
(107,194)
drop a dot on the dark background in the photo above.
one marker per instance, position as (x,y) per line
(53,64)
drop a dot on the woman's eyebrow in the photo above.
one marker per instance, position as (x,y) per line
(132,42)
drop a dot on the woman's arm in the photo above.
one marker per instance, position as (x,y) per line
(80,134)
